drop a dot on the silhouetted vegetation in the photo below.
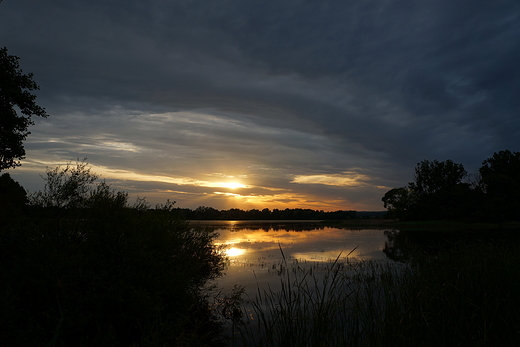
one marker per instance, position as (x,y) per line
(81,267)
(465,295)
(500,186)
(13,199)
(15,96)
(210,213)
(441,192)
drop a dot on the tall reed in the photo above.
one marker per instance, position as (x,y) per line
(458,297)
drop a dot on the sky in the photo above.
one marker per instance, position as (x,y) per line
(266,104)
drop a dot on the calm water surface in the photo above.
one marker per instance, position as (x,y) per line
(253,248)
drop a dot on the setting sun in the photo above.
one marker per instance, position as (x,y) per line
(231,185)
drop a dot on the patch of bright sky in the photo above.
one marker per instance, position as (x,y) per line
(128,175)
(350,179)
(117,146)
(210,119)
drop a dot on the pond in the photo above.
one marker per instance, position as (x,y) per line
(375,283)
(256,248)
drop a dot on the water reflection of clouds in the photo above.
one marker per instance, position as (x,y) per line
(318,256)
(321,244)
(254,253)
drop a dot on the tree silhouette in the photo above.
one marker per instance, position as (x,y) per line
(432,177)
(398,201)
(437,193)
(15,94)
(13,198)
(68,186)
(500,180)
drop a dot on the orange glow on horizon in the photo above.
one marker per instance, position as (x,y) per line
(281,201)
(225,191)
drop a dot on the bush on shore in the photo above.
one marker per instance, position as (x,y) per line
(106,274)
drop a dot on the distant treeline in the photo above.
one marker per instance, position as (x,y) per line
(444,190)
(210,213)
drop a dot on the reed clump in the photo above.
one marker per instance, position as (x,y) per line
(463,296)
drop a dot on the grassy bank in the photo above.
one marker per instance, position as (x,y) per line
(460,297)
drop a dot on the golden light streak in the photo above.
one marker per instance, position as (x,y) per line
(133,176)
(121,146)
(228,194)
(347,179)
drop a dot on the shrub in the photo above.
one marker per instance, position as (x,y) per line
(111,275)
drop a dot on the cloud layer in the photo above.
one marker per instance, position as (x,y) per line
(314,104)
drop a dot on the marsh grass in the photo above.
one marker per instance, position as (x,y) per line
(464,296)
(467,296)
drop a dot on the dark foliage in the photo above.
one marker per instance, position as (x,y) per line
(210,213)
(439,191)
(464,296)
(399,202)
(106,275)
(13,198)
(501,185)
(15,93)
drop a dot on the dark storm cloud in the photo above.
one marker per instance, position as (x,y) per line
(445,60)
(281,88)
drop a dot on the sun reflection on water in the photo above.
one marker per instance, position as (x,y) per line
(256,252)
(317,245)
(234,252)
